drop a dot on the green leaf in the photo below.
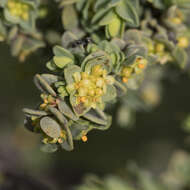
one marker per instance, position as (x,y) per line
(180,56)
(62,61)
(60,51)
(51,65)
(107,18)
(43,83)
(66,110)
(50,127)
(17,46)
(69,71)
(115,28)
(68,144)
(103,127)
(99,15)
(110,93)
(120,88)
(96,116)
(69,17)
(79,128)
(128,12)
(31,112)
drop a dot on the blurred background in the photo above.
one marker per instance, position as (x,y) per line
(149,139)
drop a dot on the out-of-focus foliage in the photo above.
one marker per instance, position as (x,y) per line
(176,177)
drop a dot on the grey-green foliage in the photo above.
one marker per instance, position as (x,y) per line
(175,177)
(18,26)
(114,15)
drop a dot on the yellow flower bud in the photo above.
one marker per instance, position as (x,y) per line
(84,75)
(183,42)
(159,47)
(150,47)
(86,82)
(25,16)
(99,92)
(91,92)
(82,91)
(50,99)
(60,141)
(97,70)
(63,135)
(42,106)
(104,73)
(84,138)
(126,71)
(125,79)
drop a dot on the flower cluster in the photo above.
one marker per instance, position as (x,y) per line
(18,9)
(90,87)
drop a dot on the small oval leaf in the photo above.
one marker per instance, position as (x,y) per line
(50,127)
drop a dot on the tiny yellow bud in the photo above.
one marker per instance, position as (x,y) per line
(86,82)
(42,106)
(97,70)
(25,16)
(99,92)
(82,91)
(125,79)
(83,99)
(60,141)
(159,47)
(51,100)
(84,138)
(91,92)
(84,75)
(151,47)
(183,42)
(141,62)
(126,71)
(141,66)
(63,135)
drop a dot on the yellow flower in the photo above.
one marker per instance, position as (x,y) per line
(18,9)
(90,87)
(159,48)
(84,138)
(183,42)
